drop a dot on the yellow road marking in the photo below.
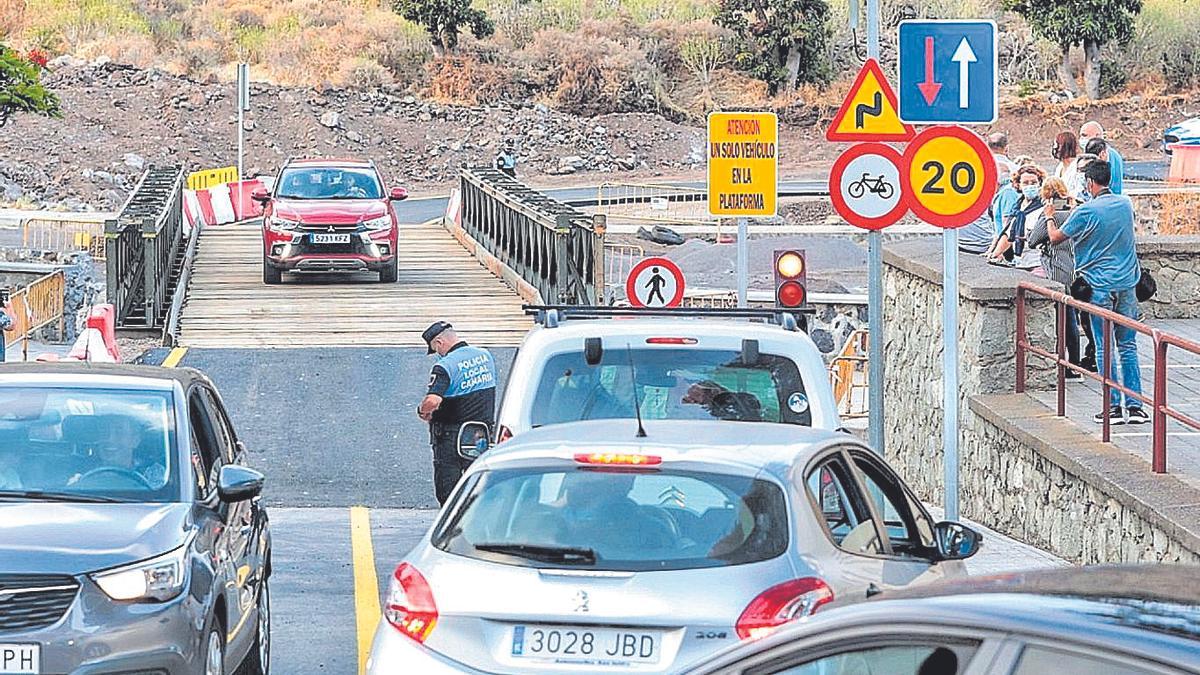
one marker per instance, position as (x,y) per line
(174,357)
(366,583)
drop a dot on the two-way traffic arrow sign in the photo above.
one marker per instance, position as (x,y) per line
(947,72)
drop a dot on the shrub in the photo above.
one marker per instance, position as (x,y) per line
(467,80)
(590,71)
(1166,42)
(362,71)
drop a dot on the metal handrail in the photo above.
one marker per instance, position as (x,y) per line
(551,246)
(141,245)
(1157,400)
(171,325)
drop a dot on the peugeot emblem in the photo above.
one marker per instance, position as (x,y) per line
(581,601)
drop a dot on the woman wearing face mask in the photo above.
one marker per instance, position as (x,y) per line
(1028,183)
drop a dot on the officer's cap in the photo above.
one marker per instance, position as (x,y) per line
(435,329)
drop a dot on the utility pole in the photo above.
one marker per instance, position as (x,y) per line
(243,104)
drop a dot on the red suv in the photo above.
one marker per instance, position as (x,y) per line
(329,216)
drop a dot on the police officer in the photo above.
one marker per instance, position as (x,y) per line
(462,388)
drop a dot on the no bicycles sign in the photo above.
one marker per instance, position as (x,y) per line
(865,186)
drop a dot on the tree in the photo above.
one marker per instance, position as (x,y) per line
(21,89)
(781,42)
(445,19)
(1092,23)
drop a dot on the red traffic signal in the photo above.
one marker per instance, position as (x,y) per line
(791,278)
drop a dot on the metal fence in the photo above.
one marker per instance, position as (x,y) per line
(551,246)
(655,203)
(141,245)
(1157,401)
(47,231)
(35,307)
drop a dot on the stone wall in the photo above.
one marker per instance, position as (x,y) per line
(1022,471)
(1174,260)
(913,349)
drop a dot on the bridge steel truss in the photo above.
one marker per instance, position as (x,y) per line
(553,247)
(141,246)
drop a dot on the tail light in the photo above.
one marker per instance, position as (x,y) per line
(614,459)
(671,341)
(410,607)
(504,434)
(780,604)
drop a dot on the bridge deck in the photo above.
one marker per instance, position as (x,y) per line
(228,305)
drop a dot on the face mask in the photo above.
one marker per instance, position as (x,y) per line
(1030,192)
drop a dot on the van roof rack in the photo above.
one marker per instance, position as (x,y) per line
(786,317)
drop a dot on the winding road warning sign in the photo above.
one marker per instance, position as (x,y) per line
(865,186)
(869,112)
(655,282)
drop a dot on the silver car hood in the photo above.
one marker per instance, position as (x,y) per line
(62,538)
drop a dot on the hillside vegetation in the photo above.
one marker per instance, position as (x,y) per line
(585,56)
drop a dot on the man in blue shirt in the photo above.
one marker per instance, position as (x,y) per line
(1106,257)
(6,320)
(1006,196)
(1115,161)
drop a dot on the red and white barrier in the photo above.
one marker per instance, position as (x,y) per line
(97,343)
(224,204)
(454,208)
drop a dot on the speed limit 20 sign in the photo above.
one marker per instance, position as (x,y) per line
(949,176)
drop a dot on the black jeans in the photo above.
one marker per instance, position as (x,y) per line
(1089,353)
(1073,335)
(448,465)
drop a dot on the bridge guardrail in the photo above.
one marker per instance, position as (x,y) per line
(141,244)
(34,307)
(179,294)
(554,248)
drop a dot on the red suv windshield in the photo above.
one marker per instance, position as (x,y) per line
(329,183)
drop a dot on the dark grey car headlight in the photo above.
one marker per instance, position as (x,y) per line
(157,579)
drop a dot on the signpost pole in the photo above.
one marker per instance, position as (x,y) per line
(743,264)
(874,287)
(950,368)
(243,104)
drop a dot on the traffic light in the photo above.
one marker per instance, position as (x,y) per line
(791,279)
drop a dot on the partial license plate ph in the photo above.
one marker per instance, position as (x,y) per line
(330,238)
(586,644)
(20,659)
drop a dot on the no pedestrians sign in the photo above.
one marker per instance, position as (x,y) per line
(655,282)
(742,163)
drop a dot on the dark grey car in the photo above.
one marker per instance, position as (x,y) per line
(131,537)
(1131,620)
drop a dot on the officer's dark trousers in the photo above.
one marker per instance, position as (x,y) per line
(448,465)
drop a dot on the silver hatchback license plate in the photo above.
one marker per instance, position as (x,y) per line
(330,238)
(20,659)
(586,644)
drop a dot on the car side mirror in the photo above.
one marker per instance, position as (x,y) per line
(398,194)
(260,195)
(473,440)
(956,541)
(238,483)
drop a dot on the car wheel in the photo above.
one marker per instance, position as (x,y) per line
(258,661)
(214,652)
(271,275)
(389,274)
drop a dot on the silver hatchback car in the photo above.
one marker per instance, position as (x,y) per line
(588,547)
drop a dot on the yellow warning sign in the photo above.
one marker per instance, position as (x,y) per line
(869,112)
(742,163)
(206,178)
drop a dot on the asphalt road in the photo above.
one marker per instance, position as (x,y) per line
(330,427)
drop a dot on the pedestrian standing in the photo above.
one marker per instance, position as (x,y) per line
(1107,275)
(1116,162)
(6,320)
(506,159)
(1065,150)
(462,388)
(1058,260)
(1006,196)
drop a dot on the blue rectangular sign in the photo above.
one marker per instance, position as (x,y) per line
(947,72)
